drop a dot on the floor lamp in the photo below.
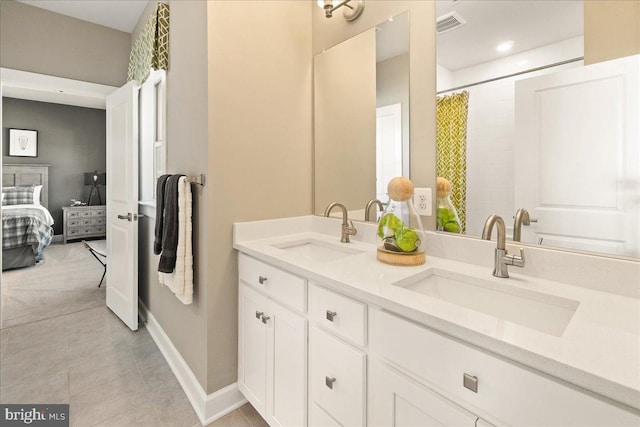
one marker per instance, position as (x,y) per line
(95,179)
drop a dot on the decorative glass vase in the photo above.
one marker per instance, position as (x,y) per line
(400,234)
(447,216)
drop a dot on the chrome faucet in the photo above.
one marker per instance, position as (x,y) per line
(368,208)
(521,218)
(347,226)
(502,259)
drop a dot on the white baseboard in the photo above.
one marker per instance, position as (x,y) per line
(208,407)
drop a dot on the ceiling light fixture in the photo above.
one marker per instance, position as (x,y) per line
(504,46)
(353,8)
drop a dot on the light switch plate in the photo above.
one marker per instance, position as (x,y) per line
(422,201)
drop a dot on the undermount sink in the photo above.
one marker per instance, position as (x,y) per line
(318,250)
(545,313)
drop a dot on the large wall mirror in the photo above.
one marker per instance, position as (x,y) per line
(361,104)
(523,122)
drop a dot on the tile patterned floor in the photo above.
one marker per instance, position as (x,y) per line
(108,375)
(74,350)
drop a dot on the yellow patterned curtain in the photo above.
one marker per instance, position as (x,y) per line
(451,148)
(151,48)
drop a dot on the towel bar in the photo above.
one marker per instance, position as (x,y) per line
(200,179)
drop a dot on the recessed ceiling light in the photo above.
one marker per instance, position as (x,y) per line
(504,46)
(391,19)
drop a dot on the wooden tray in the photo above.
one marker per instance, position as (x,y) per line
(399,258)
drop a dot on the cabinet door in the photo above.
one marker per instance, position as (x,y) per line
(286,367)
(395,400)
(252,346)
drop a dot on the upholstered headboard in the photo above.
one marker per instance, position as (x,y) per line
(15,175)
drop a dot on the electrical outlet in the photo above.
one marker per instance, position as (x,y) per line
(422,201)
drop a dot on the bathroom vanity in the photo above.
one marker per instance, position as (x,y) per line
(329,336)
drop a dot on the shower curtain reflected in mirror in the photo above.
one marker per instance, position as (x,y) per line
(451,147)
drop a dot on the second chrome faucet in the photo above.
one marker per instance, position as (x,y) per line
(502,258)
(347,226)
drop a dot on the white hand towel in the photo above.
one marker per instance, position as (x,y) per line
(181,280)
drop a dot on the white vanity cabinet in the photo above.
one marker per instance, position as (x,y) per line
(499,390)
(348,362)
(337,359)
(272,349)
(396,400)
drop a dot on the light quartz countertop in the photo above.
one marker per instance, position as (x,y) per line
(599,350)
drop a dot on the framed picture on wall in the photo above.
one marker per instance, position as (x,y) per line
(23,143)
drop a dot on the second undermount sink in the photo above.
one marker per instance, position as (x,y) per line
(546,313)
(318,250)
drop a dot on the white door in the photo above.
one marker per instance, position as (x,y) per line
(122,204)
(397,401)
(287,367)
(252,348)
(577,159)
(388,147)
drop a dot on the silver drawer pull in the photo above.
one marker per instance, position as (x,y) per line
(259,314)
(470,382)
(331,315)
(265,318)
(329,382)
(262,280)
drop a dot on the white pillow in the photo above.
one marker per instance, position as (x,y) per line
(36,194)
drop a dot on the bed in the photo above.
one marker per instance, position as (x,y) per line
(26,223)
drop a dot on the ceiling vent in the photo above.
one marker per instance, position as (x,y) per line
(448,22)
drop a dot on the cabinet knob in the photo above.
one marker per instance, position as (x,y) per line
(259,314)
(470,382)
(262,280)
(265,318)
(329,382)
(331,315)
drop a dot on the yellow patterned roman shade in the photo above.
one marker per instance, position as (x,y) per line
(451,148)
(151,48)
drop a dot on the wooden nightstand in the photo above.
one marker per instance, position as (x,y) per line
(80,222)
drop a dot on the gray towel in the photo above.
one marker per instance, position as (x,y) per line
(160,188)
(170,226)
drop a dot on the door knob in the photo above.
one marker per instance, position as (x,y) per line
(331,315)
(265,318)
(262,280)
(128,217)
(259,314)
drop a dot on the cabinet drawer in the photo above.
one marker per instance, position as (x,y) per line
(73,214)
(319,418)
(339,314)
(85,214)
(73,223)
(337,378)
(100,212)
(74,232)
(85,222)
(99,221)
(504,389)
(281,286)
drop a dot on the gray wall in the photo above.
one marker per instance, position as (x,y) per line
(70,139)
(40,41)
(186,325)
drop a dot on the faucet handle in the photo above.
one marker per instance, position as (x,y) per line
(351,229)
(515,260)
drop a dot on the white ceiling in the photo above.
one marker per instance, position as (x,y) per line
(117,14)
(529,23)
